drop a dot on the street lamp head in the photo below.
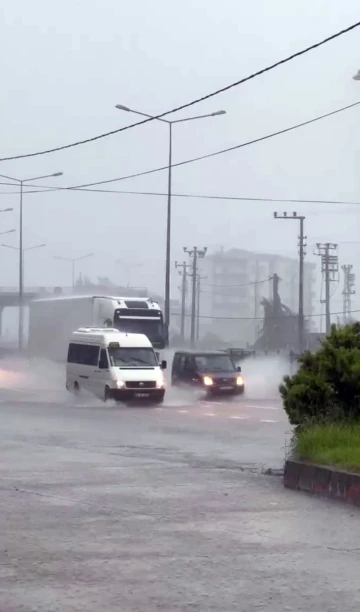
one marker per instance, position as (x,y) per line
(205,250)
(356,76)
(275,215)
(219,112)
(57,174)
(122,107)
(7,209)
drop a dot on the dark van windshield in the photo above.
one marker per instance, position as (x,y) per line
(214,363)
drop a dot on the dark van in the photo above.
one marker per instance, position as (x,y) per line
(215,371)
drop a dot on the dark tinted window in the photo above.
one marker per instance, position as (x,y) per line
(83,354)
(188,363)
(103,361)
(176,363)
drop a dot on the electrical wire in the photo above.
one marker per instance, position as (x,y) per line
(230,286)
(85,186)
(45,189)
(193,102)
(176,314)
(222,151)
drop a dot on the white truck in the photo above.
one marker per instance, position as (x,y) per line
(52,321)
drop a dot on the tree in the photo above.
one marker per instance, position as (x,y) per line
(327,383)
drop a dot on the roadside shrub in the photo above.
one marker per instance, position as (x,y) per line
(326,386)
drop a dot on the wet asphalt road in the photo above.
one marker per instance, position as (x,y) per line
(108,508)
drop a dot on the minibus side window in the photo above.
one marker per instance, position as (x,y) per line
(103,361)
(83,354)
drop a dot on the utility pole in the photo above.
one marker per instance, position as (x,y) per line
(195,253)
(256,300)
(302,253)
(348,291)
(182,269)
(199,278)
(329,270)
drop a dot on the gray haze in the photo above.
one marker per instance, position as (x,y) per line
(64,67)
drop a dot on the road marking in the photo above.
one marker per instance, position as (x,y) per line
(263,407)
(209,414)
(182,411)
(159,409)
(267,421)
(235,416)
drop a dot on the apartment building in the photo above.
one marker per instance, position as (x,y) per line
(236,282)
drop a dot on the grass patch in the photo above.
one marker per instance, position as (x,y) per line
(330,444)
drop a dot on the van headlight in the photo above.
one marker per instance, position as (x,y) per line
(160,383)
(208,381)
(120,384)
(239,381)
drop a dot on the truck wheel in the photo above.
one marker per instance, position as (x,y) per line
(76,388)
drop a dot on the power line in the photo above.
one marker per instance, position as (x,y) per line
(175,314)
(188,196)
(222,151)
(85,186)
(45,189)
(230,286)
(193,102)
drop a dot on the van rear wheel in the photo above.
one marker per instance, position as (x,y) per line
(76,388)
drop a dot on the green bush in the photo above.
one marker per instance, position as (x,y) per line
(327,383)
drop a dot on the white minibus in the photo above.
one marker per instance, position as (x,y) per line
(114,365)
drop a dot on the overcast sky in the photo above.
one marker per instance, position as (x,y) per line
(66,64)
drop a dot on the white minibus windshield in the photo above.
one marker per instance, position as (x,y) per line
(133,356)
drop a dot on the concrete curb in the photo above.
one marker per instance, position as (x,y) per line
(326,481)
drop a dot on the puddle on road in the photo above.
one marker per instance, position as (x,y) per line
(44,381)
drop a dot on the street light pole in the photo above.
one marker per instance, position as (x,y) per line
(21,272)
(168,238)
(21,183)
(73,261)
(168,219)
(128,267)
(9,246)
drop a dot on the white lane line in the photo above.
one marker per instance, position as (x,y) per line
(242,418)
(263,407)
(267,421)
(209,414)
(159,409)
(182,411)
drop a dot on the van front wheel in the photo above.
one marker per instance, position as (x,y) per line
(76,388)
(106,394)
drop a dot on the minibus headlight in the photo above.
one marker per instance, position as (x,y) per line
(160,383)
(239,381)
(208,381)
(120,384)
